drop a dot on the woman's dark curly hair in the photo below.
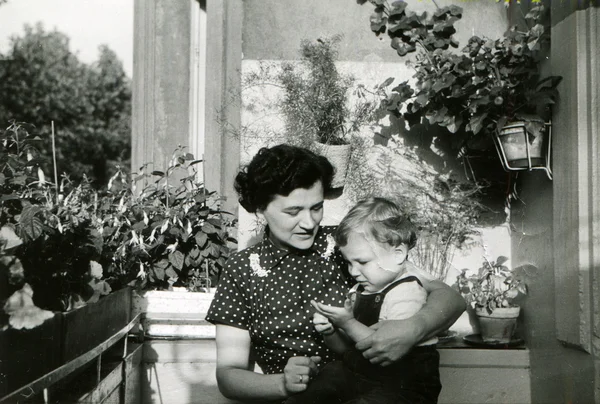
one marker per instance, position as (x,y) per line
(279,170)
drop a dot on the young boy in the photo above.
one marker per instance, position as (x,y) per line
(375,238)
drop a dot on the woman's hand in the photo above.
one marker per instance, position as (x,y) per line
(337,315)
(391,340)
(298,371)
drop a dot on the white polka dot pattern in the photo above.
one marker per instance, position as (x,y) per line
(276,308)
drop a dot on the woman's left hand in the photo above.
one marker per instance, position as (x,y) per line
(337,315)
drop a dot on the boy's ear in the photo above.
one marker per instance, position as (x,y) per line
(401,253)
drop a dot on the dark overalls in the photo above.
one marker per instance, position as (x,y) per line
(412,379)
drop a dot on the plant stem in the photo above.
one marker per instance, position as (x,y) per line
(54,162)
(426,53)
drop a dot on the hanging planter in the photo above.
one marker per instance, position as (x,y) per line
(525,145)
(339,157)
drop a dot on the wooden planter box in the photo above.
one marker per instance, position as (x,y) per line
(174,314)
(92,324)
(26,355)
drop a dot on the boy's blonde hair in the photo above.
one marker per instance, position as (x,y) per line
(378,219)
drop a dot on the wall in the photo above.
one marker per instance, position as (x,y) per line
(556,226)
(558,374)
(271,33)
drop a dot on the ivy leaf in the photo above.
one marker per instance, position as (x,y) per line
(476,123)
(436,116)
(446,82)
(455,124)
(378,22)
(398,7)
(176,259)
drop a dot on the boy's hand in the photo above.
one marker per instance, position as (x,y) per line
(322,324)
(337,315)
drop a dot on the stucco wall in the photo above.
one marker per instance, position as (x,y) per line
(553,221)
(272,31)
(559,374)
(273,28)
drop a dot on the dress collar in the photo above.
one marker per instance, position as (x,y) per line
(271,255)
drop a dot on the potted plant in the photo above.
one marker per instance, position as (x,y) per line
(322,108)
(50,277)
(491,83)
(171,235)
(491,292)
(444,207)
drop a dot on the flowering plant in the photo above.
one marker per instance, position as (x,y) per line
(64,246)
(50,240)
(173,233)
(494,285)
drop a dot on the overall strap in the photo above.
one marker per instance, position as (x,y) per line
(392,285)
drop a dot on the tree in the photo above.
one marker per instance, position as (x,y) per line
(42,81)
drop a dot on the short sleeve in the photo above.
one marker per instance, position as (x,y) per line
(403,301)
(419,273)
(230,305)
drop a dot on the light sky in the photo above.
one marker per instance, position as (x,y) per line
(88,24)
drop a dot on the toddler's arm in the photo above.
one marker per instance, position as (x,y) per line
(342,318)
(333,338)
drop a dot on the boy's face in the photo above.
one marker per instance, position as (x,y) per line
(372,264)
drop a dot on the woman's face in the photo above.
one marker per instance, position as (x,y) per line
(293,220)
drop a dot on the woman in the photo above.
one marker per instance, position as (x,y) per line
(263,298)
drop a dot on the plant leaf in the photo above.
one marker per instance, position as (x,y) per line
(501,260)
(176,259)
(31,225)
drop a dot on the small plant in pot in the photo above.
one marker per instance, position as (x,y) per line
(316,104)
(491,292)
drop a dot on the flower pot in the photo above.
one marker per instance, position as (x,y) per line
(499,325)
(26,355)
(92,324)
(524,145)
(339,157)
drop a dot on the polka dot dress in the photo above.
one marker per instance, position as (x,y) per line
(267,291)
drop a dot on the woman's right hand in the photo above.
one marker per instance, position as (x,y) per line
(298,372)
